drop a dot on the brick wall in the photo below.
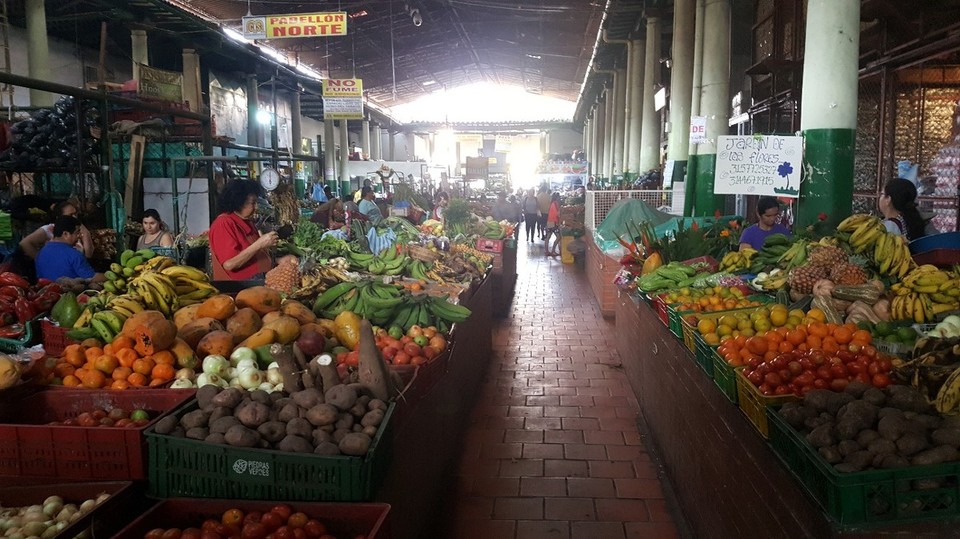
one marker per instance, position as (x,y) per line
(600,270)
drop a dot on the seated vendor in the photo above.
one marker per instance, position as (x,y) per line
(154,232)
(369,208)
(35,241)
(768,214)
(58,257)
(329,215)
(237,250)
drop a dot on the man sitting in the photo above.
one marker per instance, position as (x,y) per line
(58,258)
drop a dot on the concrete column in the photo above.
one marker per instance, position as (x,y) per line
(192,93)
(365,138)
(600,138)
(586,138)
(691,183)
(608,125)
(392,143)
(681,86)
(650,118)
(296,119)
(254,130)
(411,147)
(828,109)
(329,156)
(344,152)
(38,52)
(139,51)
(714,102)
(636,52)
(375,144)
(619,120)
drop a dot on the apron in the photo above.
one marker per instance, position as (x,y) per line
(261,260)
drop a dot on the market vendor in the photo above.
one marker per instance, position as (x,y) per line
(59,257)
(32,244)
(369,208)
(768,214)
(154,232)
(898,204)
(237,249)
(441,204)
(329,215)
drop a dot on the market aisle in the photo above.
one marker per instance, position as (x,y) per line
(553,449)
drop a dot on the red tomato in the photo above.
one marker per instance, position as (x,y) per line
(795,367)
(252,518)
(838,384)
(885,364)
(98,413)
(172,533)
(233,517)
(755,378)
(283,510)
(820,383)
(227,530)
(880,380)
(755,362)
(271,520)
(805,379)
(298,533)
(210,534)
(782,390)
(846,356)
(785,374)
(824,372)
(855,368)
(190,533)
(156,533)
(209,524)
(254,530)
(283,532)
(863,377)
(766,389)
(839,370)
(772,379)
(314,528)
(297,520)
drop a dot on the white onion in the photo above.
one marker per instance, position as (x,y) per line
(87,506)
(274,376)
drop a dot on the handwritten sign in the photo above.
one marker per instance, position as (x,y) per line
(298,25)
(698,130)
(758,165)
(160,84)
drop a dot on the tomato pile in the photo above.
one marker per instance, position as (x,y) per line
(828,338)
(278,523)
(98,417)
(800,372)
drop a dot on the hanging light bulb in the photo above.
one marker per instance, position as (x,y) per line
(415,15)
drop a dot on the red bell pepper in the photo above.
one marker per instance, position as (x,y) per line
(10,278)
(24,310)
(43,282)
(12,291)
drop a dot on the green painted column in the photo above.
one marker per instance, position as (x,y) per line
(828,109)
(38,50)
(714,102)
(681,85)
(690,187)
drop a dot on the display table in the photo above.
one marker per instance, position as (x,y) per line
(600,272)
(728,481)
(504,280)
(427,444)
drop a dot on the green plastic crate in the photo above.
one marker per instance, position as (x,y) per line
(180,468)
(725,376)
(31,336)
(703,354)
(913,494)
(675,318)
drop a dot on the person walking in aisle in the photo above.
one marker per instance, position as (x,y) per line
(543,207)
(530,214)
(553,226)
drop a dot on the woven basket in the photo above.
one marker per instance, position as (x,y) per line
(422,253)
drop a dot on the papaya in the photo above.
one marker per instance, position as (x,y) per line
(218,343)
(138,319)
(326,331)
(270,317)
(298,310)
(286,327)
(186,359)
(262,337)
(154,335)
(185,315)
(219,307)
(194,331)
(652,262)
(244,323)
(259,298)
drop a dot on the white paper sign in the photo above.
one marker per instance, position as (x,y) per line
(758,165)
(698,130)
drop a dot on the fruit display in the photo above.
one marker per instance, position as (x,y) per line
(46,519)
(280,522)
(668,276)
(889,251)
(774,247)
(389,304)
(924,293)
(718,298)
(116,417)
(118,365)
(285,276)
(416,346)
(934,370)
(495,230)
(745,323)
(736,261)
(21,302)
(891,332)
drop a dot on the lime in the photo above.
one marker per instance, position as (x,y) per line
(907,334)
(883,329)
(891,338)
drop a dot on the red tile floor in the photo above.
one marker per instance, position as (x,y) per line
(554,449)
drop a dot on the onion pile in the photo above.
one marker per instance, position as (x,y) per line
(44,521)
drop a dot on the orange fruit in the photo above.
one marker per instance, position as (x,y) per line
(758,345)
(74,355)
(121,373)
(814,342)
(127,356)
(164,358)
(819,329)
(162,372)
(862,335)
(108,349)
(830,345)
(94,379)
(106,363)
(843,335)
(120,384)
(91,343)
(71,381)
(784,347)
(63,369)
(143,366)
(770,355)
(93,353)
(706,325)
(137,380)
(122,342)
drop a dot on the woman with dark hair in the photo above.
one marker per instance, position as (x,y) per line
(768,217)
(898,204)
(442,200)
(369,208)
(553,226)
(154,231)
(237,250)
(329,215)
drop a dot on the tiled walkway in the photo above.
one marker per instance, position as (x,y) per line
(553,449)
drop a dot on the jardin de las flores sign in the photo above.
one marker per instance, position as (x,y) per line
(758,165)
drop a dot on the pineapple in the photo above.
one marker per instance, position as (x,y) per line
(285,277)
(826,255)
(848,274)
(802,278)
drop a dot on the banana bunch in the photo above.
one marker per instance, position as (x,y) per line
(735,261)
(425,310)
(104,325)
(892,255)
(166,287)
(771,282)
(938,290)
(794,256)
(479,259)
(864,231)
(423,271)
(120,273)
(390,262)
(492,230)
(373,300)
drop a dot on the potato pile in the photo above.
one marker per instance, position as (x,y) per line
(868,428)
(341,421)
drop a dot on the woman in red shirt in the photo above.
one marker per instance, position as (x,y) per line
(238,251)
(553,226)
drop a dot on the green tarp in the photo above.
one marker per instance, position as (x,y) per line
(614,225)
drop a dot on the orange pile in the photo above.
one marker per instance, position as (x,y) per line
(114,366)
(828,337)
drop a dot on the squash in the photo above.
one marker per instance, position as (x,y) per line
(823,287)
(194,331)
(244,323)
(154,336)
(259,298)
(866,293)
(219,307)
(652,262)
(261,338)
(299,311)
(825,304)
(185,315)
(286,327)
(186,359)
(216,343)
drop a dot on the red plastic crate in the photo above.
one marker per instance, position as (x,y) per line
(31,447)
(489,245)
(54,338)
(419,381)
(342,519)
(101,520)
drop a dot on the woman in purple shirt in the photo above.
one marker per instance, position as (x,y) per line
(768,211)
